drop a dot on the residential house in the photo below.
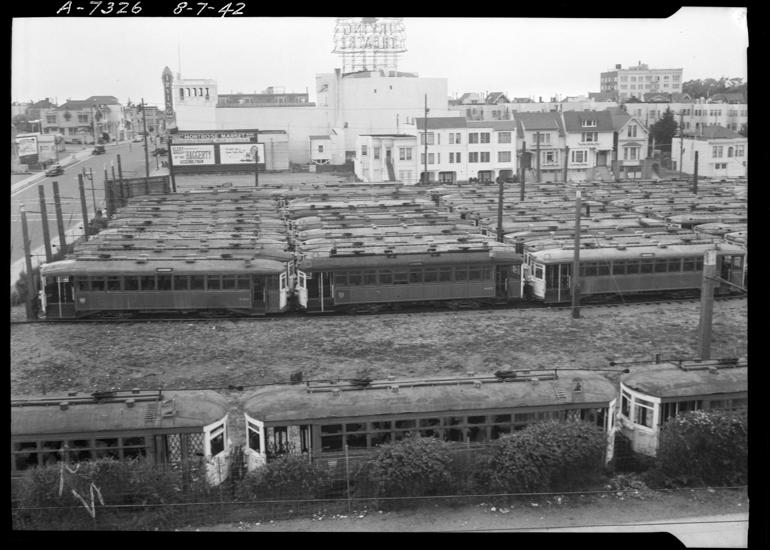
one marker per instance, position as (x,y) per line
(328,148)
(386,157)
(630,144)
(721,153)
(80,120)
(543,132)
(35,110)
(589,139)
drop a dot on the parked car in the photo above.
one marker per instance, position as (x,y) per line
(54,170)
(160,151)
(138,138)
(99,150)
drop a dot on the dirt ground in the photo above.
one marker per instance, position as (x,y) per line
(570,510)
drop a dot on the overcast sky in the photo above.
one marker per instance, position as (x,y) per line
(62,58)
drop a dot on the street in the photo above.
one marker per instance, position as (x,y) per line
(133,164)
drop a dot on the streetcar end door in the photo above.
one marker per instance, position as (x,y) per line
(302,288)
(256,454)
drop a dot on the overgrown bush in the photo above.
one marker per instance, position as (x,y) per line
(546,456)
(704,448)
(127,494)
(415,466)
(289,477)
(21,288)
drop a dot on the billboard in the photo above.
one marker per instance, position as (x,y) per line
(216,150)
(28,151)
(191,155)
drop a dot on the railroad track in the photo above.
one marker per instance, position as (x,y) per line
(400,311)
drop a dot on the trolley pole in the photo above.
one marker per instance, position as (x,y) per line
(44,221)
(28,260)
(83,207)
(59,217)
(576,262)
(707,304)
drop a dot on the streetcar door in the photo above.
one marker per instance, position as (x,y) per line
(501,282)
(216,446)
(256,454)
(59,298)
(283,291)
(258,293)
(302,288)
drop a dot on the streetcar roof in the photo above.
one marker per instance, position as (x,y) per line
(562,255)
(293,403)
(201,266)
(40,415)
(670,380)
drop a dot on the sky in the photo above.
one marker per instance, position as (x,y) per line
(76,57)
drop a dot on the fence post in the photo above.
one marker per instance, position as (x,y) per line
(347,478)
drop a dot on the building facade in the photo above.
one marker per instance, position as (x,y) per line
(86,121)
(386,157)
(721,153)
(589,139)
(637,80)
(693,116)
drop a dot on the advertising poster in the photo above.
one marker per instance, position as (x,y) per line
(241,153)
(192,155)
(27,146)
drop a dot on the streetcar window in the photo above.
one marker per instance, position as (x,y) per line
(355,278)
(674,265)
(474,273)
(130,282)
(405,424)
(477,434)
(244,282)
(619,267)
(523,418)
(181,282)
(331,437)
(737,261)
(603,269)
(24,455)
(487,273)
(147,282)
(370,277)
(228,282)
(444,274)
(113,284)
(197,282)
(400,278)
(497,431)
(81,283)
(341,278)
(477,419)
(688,264)
(386,277)
(632,267)
(214,282)
(355,427)
(502,419)
(97,285)
(431,275)
(415,276)
(164,282)
(356,441)
(625,407)
(643,413)
(272,282)
(646,266)
(80,449)
(461,274)
(661,265)
(698,264)
(107,447)
(254,442)
(218,443)
(590,269)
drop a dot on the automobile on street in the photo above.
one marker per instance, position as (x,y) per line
(54,170)
(98,150)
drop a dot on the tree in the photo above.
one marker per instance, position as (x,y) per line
(710,86)
(744,131)
(23,124)
(665,129)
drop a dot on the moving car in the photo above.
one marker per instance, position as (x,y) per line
(98,150)
(54,170)
(138,138)
(160,151)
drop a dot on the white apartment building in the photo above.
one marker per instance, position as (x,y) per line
(694,116)
(386,157)
(589,139)
(637,80)
(721,153)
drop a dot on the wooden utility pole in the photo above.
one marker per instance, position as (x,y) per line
(256,163)
(146,151)
(681,140)
(576,262)
(523,170)
(707,304)
(425,136)
(127,193)
(108,194)
(695,175)
(537,138)
(31,292)
(566,163)
(59,217)
(83,206)
(114,181)
(500,211)
(44,221)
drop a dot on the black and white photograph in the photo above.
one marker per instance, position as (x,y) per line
(380,274)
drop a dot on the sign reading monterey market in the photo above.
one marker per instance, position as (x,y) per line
(216,151)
